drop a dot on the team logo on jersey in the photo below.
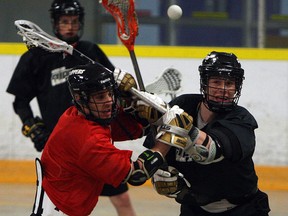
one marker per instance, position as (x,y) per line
(59,75)
(77,71)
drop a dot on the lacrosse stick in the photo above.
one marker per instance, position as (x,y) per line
(168,83)
(34,36)
(127,28)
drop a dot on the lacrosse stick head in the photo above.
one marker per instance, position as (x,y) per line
(126,19)
(61,8)
(34,36)
(168,83)
(25,28)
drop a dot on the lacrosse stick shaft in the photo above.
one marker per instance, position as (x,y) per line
(150,102)
(127,28)
(137,70)
(80,55)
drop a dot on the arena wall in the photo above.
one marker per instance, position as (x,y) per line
(264,94)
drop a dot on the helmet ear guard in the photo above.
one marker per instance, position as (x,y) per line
(225,66)
(80,98)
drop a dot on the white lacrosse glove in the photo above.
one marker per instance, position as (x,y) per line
(169,115)
(169,182)
(124,80)
(176,129)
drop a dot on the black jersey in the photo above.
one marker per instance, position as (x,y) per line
(234,176)
(42,75)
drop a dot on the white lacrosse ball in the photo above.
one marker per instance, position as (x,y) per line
(174,12)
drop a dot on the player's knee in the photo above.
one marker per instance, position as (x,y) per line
(121,200)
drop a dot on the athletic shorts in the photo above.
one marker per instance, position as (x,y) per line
(109,190)
(257,206)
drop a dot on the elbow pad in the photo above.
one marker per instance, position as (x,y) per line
(205,155)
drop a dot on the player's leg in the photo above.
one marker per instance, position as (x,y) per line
(49,208)
(123,204)
(120,199)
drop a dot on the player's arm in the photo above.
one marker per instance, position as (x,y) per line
(34,128)
(142,112)
(22,108)
(176,129)
(180,132)
(147,163)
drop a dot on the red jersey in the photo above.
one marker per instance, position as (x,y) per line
(79,158)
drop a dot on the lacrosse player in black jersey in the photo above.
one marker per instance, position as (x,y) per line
(211,171)
(42,75)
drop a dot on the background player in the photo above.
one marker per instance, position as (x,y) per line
(217,161)
(42,75)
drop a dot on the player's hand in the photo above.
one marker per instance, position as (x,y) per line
(36,130)
(124,80)
(169,182)
(148,112)
(177,129)
(145,166)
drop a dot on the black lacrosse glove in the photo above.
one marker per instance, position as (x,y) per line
(36,130)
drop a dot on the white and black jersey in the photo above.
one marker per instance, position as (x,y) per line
(232,178)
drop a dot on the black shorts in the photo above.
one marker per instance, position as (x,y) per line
(109,190)
(257,206)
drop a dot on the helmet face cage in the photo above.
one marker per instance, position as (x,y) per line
(85,84)
(222,66)
(70,8)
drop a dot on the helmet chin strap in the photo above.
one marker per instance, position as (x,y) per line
(217,107)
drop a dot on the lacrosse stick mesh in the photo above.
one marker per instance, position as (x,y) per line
(124,14)
(168,83)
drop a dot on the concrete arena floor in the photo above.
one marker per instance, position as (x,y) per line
(17,200)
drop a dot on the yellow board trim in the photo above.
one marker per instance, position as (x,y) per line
(23,171)
(12,48)
(169,51)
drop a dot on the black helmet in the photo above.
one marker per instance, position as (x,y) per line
(226,66)
(66,7)
(88,79)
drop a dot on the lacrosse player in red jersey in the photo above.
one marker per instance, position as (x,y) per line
(42,75)
(211,171)
(79,156)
